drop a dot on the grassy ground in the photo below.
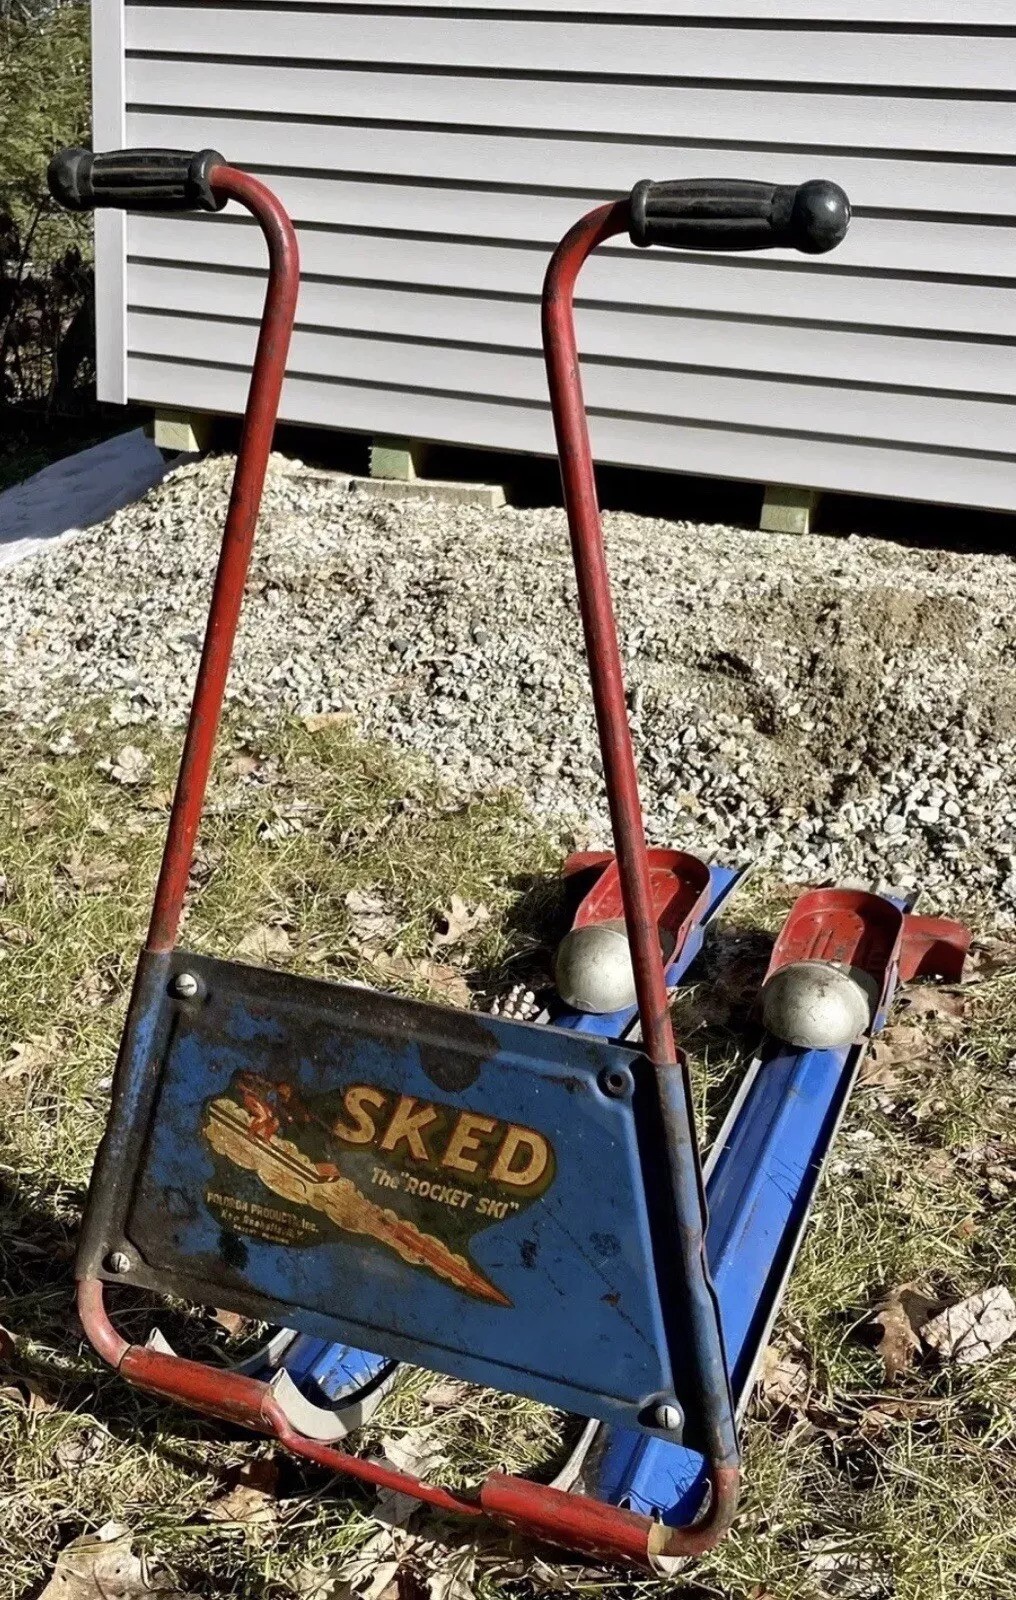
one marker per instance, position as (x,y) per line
(857,1483)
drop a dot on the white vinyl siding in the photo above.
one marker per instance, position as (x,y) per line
(431,155)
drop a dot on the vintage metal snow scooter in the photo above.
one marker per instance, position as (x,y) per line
(505,1202)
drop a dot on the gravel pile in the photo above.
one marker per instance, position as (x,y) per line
(831,707)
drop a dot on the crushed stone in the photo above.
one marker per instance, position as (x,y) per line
(832,708)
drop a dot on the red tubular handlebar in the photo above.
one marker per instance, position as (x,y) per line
(604,655)
(578,481)
(262,407)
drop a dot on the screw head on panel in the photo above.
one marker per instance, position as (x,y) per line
(668,1418)
(616,1082)
(186,986)
(119,1261)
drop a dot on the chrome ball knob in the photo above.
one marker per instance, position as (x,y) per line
(818,1005)
(593,970)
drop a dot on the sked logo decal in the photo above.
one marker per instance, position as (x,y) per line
(415,1176)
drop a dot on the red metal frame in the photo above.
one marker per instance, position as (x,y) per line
(260,413)
(534,1509)
(567,1519)
(578,481)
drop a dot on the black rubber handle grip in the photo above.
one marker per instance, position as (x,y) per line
(136,180)
(735,214)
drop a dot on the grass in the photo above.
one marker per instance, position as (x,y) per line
(911,1479)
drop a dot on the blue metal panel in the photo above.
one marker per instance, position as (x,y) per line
(305,1368)
(557,1294)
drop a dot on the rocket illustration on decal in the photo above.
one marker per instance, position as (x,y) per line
(441,1173)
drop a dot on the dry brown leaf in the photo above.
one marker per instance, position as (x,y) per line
(370,919)
(206,859)
(446,983)
(328,719)
(900,1317)
(29,1056)
(938,1003)
(231,1321)
(878,1071)
(987,1153)
(264,942)
(79,1448)
(927,1105)
(874,1421)
(25,1392)
(250,1496)
(909,1410)
(391,967)
(896,1047)
(455,1580)
(783,1380)
(383,1584)
(94,988)
(939,1166)
(844,1568)
(459,923)
(987,958)
(444,1394)
(286,821)
(130,766)
(971,1330)
(94,874)
(310,1582)
(55,1249)
(159,799)
(35,813)
(96,1568)
(823,1415)
(415,1452)
(372,1572)
(243,766)
(103,1566)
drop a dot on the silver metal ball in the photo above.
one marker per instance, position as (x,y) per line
(593,971)
(819,1005)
